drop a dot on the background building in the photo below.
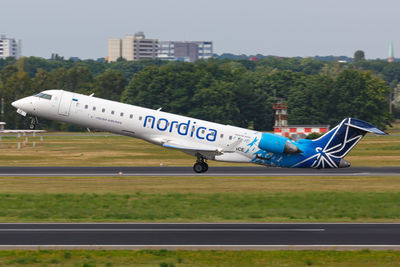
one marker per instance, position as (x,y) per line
(114,49)
(132,47)
(205,49)
(9,47)
(187,51)
(391,54)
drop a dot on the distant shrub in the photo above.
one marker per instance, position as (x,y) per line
(54,261)
(67,255)
(314,135)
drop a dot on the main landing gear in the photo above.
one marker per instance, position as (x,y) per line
(33,123)
(200,165)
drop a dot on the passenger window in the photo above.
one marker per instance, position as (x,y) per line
(86,106)
(112,112)
(103,110)
(230,137)
(94,108)
(222,135)
(140,118)
(202,131)
(131,116)
(122,114)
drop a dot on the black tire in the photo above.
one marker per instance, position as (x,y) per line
(205,167)
(198,167)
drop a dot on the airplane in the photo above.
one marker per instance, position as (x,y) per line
(202,139)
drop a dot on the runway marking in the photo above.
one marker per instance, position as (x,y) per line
(194,174)
(203,247)
(160,230)
(200,223)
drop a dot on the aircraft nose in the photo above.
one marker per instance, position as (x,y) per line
(16,104)
(22,103)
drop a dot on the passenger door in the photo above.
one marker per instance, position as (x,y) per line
(65,103)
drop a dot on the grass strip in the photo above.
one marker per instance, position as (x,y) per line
(195,207)
(202,184)
(165,258)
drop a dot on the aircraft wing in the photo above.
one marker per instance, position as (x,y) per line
(206,150)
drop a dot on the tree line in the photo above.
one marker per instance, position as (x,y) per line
(237,92)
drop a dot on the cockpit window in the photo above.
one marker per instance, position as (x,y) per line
(45,96)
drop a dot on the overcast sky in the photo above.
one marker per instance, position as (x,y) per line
(282,27)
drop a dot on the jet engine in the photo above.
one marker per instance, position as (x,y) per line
(277,144)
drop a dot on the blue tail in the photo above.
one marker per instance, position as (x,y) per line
(329,150)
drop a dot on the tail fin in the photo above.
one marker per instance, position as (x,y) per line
(332,147)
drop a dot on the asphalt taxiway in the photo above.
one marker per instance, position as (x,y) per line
(188,171)
(199,235)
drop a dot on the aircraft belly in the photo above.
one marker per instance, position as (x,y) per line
(232,157)
(206,155)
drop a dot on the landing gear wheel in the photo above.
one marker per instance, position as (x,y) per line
(198,167)
(33,123)
(205,166)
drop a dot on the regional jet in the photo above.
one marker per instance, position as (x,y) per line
(202,139)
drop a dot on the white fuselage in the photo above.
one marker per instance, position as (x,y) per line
(154,126)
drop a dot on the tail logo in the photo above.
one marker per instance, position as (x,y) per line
(341,141)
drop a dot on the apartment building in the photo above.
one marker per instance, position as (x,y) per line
(186,51)
(132,47)
(9,47)
(114,49)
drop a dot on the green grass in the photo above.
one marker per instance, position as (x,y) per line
(188,199)
(395,128)
(179,258)
(194,207)
(198,184)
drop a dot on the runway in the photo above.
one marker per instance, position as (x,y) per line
(187,171)
(199,235)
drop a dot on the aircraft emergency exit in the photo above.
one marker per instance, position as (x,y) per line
(202,139)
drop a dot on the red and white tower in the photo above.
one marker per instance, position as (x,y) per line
(293,131)
(280,117)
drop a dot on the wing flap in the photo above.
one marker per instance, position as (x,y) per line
(195,148)
(191,147)
(185,147)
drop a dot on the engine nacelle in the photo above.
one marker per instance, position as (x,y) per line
(277,144)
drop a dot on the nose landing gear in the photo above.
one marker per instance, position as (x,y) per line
(33,123)
(200,166)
